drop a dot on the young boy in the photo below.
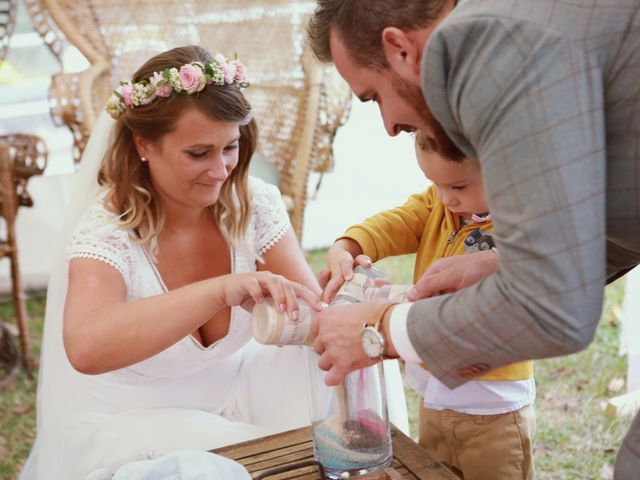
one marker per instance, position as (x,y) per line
(485,427)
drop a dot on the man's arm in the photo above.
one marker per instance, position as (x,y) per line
(528,105)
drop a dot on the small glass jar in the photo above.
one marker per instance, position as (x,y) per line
(367,285)
(388,293)
(271,327)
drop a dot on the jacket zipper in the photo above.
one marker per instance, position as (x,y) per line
(454,235)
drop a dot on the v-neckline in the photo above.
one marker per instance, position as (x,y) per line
(163,286)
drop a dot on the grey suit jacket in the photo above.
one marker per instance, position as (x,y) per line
(545,94)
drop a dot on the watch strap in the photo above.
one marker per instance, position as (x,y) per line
(376,319)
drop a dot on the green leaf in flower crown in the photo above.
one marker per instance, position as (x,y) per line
(117,94)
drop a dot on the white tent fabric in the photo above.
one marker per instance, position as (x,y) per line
(630,337)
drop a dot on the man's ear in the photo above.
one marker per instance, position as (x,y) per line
(402,51)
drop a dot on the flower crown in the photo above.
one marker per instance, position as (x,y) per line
(190,78)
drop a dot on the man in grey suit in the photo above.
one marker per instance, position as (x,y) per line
(546,96)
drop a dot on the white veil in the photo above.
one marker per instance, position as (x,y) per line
(58,383)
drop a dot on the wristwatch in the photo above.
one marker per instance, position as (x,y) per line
(373,342)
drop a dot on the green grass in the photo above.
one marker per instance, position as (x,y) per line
(17,401)
(574,439)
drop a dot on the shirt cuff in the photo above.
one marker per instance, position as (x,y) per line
(400,335)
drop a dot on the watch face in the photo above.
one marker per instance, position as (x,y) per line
(372,342)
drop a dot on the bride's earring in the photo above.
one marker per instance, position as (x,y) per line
(143,159)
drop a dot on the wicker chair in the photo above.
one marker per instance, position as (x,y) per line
(298,104)
(21,156)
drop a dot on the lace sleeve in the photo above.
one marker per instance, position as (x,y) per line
(270,218)
(98,236)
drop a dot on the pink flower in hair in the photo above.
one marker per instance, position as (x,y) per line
(192,78)
(163,90)
(229,70)
(220,58)
(126,92)
(241,72)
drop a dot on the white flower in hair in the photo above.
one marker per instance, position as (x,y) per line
(174,79)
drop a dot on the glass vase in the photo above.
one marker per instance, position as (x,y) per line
(350,423)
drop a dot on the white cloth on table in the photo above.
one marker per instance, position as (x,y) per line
(183,465)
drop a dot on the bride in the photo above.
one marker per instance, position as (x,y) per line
(145,350)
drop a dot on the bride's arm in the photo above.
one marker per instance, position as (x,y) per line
(286,258)
(104,332)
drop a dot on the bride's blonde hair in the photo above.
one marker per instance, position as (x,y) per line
(131,195)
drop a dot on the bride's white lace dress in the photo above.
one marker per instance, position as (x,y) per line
(187,396)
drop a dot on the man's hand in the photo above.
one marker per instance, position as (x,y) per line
(338,330)
(450,274)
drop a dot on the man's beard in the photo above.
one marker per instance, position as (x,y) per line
(430,126)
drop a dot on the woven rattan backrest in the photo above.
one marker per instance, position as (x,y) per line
(7,24)
(298,103)
(267,35)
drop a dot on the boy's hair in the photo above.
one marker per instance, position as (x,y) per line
(360,24)
(447,149)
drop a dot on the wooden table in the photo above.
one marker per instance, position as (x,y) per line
(295,446)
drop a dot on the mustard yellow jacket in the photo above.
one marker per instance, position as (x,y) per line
(424,226)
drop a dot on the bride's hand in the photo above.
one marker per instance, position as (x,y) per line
(238,288)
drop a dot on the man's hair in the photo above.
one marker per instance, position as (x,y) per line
(360,24)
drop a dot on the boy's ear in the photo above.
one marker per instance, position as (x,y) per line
(402,51)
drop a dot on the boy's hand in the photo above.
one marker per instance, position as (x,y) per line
(450,274)
(340,260)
